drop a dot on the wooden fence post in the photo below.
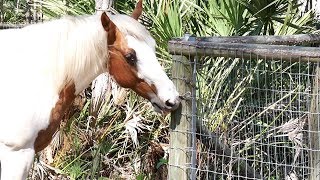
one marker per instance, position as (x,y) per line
(314,127)
(181,122)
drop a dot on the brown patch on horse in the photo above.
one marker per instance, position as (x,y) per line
(123,72)
(126,76)
(66,97)
(144,89)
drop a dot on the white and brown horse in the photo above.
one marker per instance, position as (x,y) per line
(43,67)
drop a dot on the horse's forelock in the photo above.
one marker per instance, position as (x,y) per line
(129,26)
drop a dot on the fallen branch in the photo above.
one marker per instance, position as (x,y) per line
(11,26)
(212,141)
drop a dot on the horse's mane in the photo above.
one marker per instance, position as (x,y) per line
(63,49)
(68,48)
(133,28)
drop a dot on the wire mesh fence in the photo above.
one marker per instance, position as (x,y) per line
(251,111)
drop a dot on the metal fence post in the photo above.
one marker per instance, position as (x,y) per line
(194,120)
(181,122)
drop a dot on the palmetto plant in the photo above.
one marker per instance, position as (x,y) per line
(57,8)
(267,12)
(267,15)
(13,11)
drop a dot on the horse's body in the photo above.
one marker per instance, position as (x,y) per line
(43,68)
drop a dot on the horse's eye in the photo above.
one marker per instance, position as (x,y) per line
(131,58)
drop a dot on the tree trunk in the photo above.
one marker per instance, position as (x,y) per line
(1,11)
(102,5)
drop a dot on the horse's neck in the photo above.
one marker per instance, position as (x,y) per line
(55,53)
(83,55)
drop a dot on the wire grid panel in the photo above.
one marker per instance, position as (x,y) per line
(257,117)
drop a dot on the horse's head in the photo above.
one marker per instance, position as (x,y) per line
(133,63)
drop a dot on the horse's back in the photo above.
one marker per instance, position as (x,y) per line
(9,42)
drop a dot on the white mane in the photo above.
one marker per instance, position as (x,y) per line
(61,50)
(68,49)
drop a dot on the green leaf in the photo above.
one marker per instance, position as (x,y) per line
(161,162)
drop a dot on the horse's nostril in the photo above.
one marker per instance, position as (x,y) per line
(169,104)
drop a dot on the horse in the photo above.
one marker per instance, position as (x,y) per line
(45,66)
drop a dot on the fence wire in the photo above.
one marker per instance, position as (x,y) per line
(256,117)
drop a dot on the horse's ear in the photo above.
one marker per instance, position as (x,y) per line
(137,11)
(106,22)
(109,26)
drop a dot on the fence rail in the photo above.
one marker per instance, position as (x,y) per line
(246,47)
(252,110)
(273,40)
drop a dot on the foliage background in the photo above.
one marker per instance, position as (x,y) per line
(124,138)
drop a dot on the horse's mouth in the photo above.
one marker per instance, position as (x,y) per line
(162,108)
